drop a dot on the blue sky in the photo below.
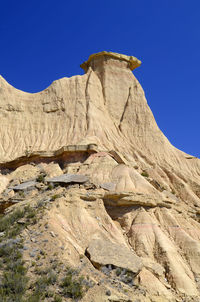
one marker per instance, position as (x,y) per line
(44,40)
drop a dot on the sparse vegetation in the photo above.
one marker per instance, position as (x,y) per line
(14,280)
(40,288)
(31,213)
(57,298)
(15,285)
(50,186)
(41,178)
(21,194)
(73,285)
(7,221)
(145,174)
(54,197)
(40,204)
(118,271)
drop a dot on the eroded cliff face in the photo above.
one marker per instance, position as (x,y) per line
(144,192)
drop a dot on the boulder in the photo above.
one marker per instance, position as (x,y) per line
(68,178)
(24,186)
(51,169)
(109,186)
(104,252)
(129,199)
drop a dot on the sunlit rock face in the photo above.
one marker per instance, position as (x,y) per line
(146,192)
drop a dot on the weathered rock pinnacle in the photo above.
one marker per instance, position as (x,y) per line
(120,184)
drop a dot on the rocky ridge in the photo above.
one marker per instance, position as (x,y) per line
(88,147)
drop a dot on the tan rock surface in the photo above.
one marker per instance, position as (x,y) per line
(147,279)
(142,194)
(3,183)
(103,252)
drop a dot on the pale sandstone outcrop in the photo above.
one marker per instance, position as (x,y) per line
(103,252)
(142,193)
(3,183)
(105,106)
(51,169)
(147,279)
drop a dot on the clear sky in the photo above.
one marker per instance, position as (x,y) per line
(44,40)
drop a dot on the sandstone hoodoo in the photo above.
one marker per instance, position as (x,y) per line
(121,203)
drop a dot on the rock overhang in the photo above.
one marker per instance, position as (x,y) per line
(132,61)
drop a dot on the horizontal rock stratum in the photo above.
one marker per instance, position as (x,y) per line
(139,193)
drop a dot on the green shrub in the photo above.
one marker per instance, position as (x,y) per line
(14,231)
(40,204)
(145,174)
(17,267)
(72,285)
(50,186)
(14,283)
(35,297)
(57,298)
(40,287)
(54,197)
(52,278)
(118,271)
(41,178)
(10,252)
(22,194)
(7,221)
(31,213)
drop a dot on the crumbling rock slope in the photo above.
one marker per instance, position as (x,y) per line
(138,192)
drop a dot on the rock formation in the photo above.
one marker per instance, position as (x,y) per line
(96,135)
